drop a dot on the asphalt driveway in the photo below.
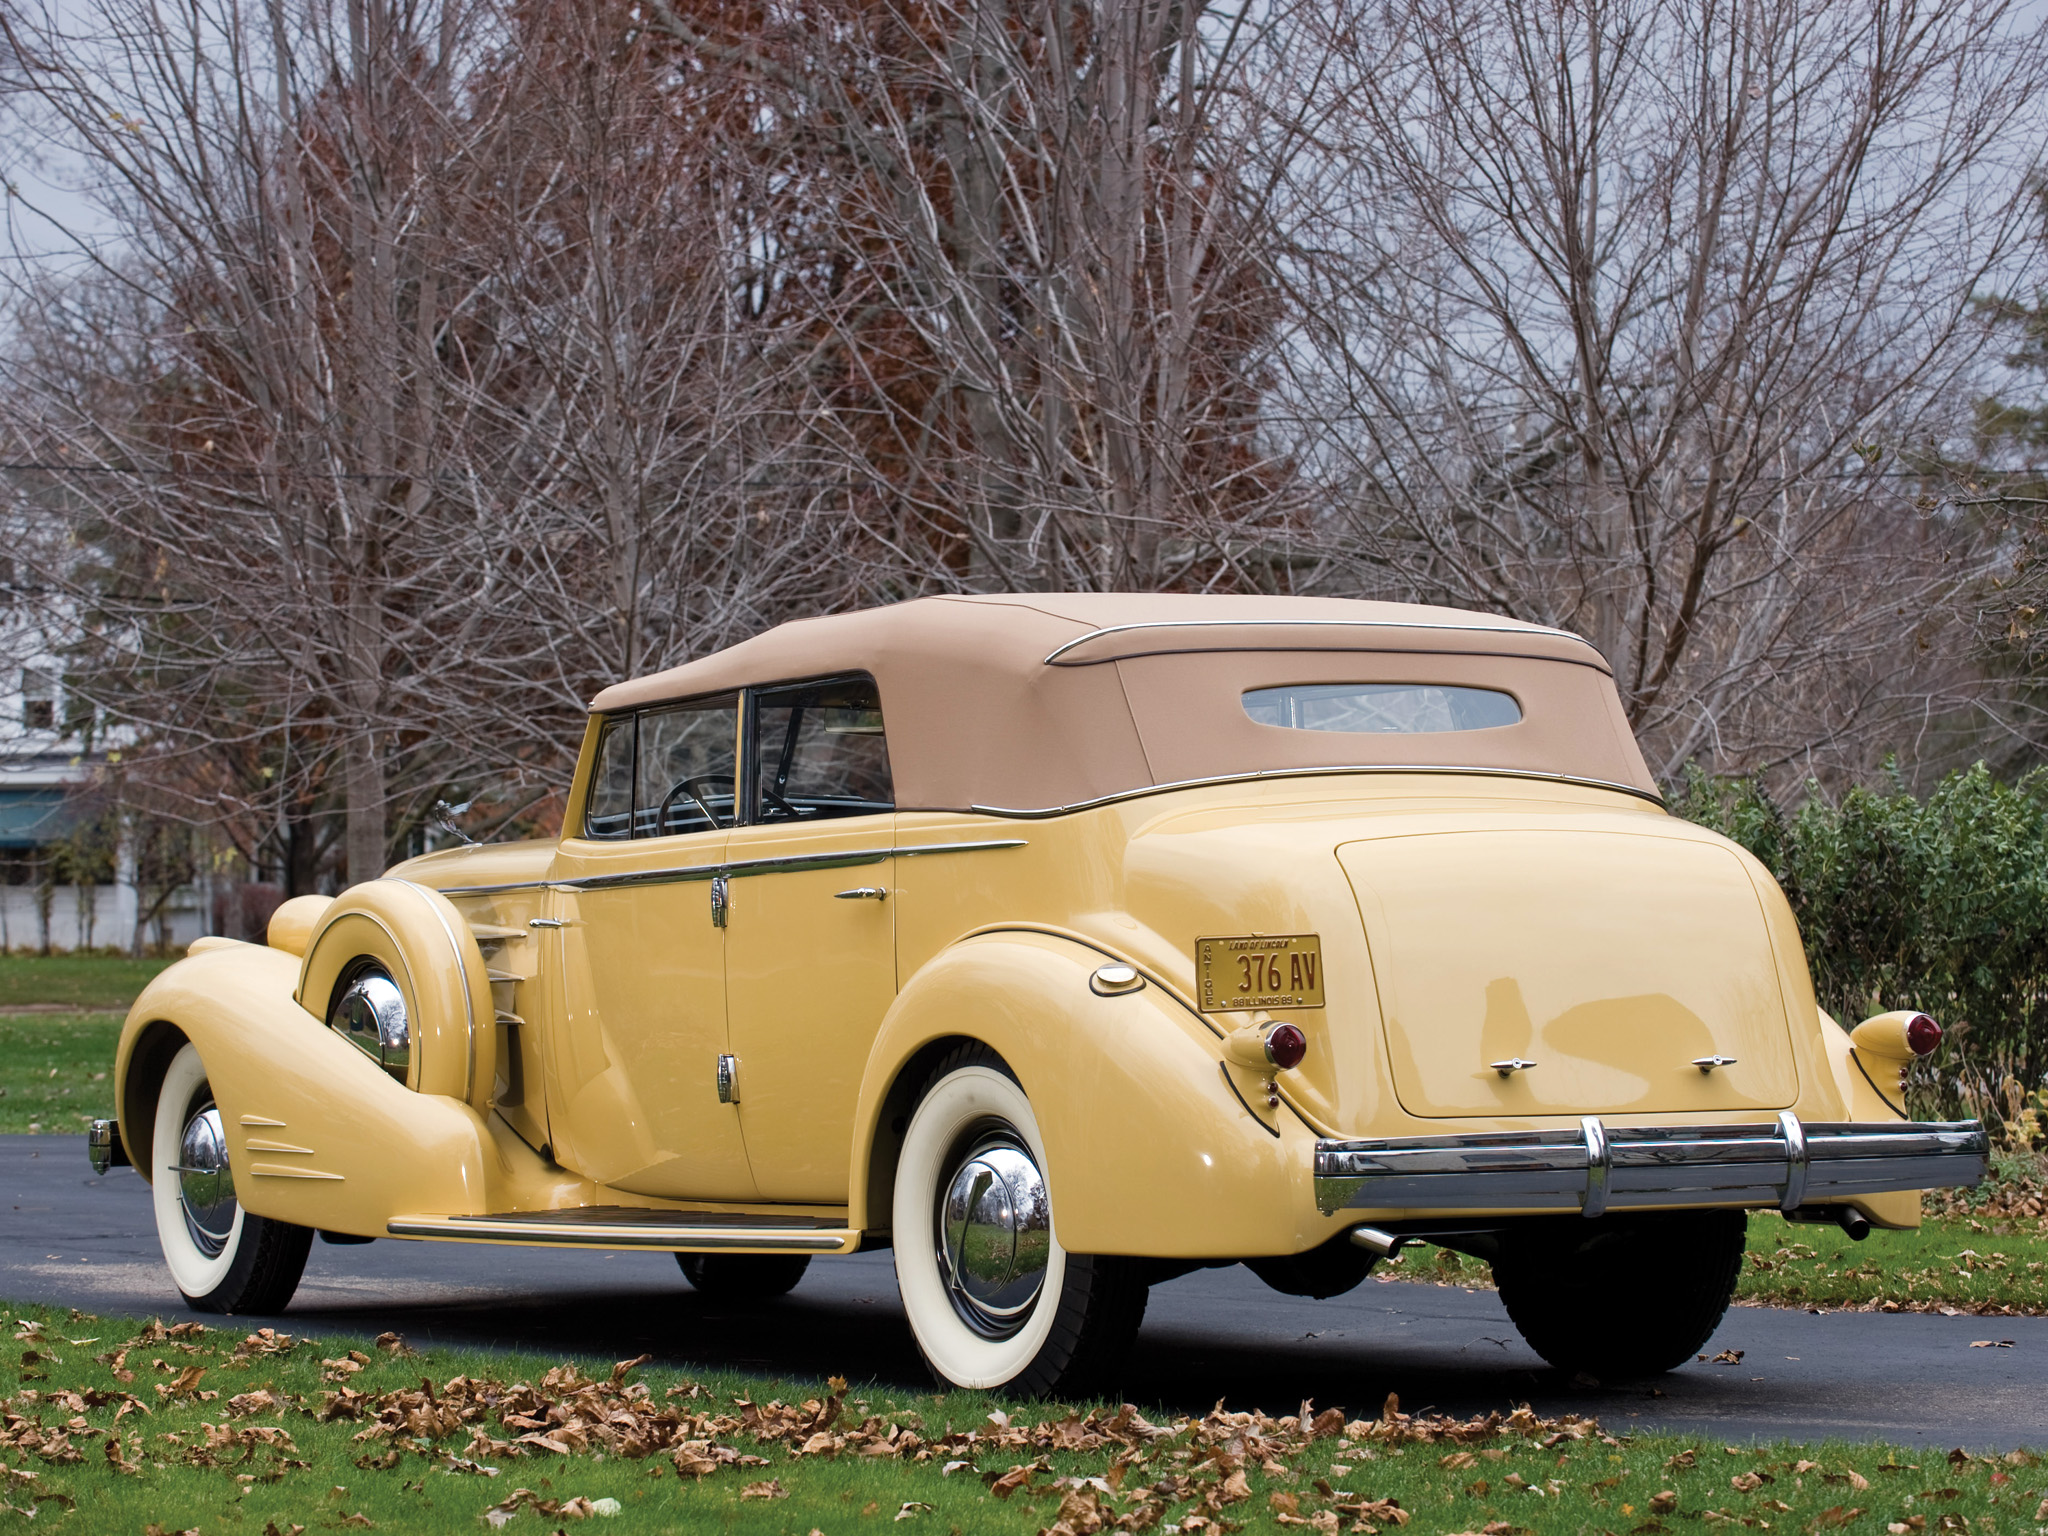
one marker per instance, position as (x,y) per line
(70,1238)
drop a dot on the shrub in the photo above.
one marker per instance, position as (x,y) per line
(1939,904)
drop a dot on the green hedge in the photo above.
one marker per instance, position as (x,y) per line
(1939,904)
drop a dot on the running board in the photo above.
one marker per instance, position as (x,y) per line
(637,1227)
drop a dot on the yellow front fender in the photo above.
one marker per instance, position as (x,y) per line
(318,1134)
(1149,1150)
(423,944)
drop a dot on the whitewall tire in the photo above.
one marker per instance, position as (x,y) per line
(222,1258)
(992,1297)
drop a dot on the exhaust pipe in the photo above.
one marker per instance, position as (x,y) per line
(1847,1217)
(1382,1245)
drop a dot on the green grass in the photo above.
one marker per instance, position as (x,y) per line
(1984,1267)
(113,1427)
(56,1070)
(76,981)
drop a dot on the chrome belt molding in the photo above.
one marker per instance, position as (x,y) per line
(1595,1167)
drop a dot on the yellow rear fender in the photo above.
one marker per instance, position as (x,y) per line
(1899,1209)
(417,937)
(318,1134)
(1139,1124)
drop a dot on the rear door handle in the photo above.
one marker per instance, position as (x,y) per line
(864,893)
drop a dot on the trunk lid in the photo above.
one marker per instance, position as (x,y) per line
(1611,959)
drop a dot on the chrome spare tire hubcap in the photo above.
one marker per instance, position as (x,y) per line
(206,1185)
(995,1235)
(370,1015)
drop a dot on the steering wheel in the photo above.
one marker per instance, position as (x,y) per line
(697,787)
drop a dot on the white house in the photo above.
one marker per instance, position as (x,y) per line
(46,769)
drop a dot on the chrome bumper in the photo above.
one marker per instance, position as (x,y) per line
(104,1147)
(1596,1168)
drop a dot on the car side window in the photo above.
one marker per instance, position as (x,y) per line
(608,814)
(820,752)
(686,780)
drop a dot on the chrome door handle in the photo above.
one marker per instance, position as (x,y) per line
(863,893)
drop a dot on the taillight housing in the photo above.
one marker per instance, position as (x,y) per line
(1286,1045)
(1922,1034)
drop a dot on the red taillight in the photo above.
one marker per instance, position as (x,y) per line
(1922,1034)
(1285,1046)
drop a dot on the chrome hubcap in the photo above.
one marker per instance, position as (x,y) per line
(206,1186)
(995,1234)
(370,1015)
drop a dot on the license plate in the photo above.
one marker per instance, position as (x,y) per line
(1282,970)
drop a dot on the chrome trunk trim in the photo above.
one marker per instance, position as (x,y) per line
(1596,1167)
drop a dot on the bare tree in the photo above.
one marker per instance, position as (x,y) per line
(1646,318)
(459,358)
(288,530)
(446,375)
(1053,298)
(660,481)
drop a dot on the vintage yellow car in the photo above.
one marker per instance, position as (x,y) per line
(1063,944)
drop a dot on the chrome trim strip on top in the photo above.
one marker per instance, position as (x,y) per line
(1303,773)
(1596,1167)
(1052,659)
(675,874)
(924,848)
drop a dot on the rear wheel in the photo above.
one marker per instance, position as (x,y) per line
(744,1276)
(223,1258)
(1624,1297)
(992,1297)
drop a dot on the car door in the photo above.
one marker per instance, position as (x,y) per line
(640,1026)
(810,958)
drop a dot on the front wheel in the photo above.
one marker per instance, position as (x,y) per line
(1625,1297)
(992,1297)
(223,1258)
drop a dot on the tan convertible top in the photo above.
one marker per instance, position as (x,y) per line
(1042,700)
